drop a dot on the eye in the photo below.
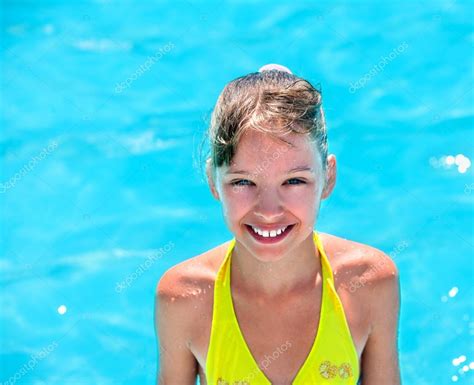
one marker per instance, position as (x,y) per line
(298,180)
(238,182)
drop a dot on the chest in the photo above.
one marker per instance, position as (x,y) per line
(285,325)
(271,328)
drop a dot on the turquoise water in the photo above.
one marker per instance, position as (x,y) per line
(104,105)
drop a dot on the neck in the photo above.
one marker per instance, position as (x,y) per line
(294,272)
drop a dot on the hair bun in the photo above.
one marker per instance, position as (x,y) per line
(269,67)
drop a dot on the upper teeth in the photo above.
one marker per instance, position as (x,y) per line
(271,233)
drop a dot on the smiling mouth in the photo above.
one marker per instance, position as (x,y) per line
(269,238)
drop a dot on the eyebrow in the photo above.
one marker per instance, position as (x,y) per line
(296,169)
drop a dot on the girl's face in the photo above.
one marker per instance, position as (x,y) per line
(271,184)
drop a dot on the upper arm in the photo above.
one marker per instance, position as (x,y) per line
(177,364)
(380,363)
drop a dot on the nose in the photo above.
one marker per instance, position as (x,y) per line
(268,218)
(268,207)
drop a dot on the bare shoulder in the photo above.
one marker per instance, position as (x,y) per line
(359,263)
(181,306)
(366,276)
(191,278)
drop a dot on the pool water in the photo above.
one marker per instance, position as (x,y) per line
(104,106)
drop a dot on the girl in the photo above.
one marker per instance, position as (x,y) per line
(280,303)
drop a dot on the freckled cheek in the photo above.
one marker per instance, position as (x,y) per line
(236,205)
(302,196)
(236,198)
(302,205)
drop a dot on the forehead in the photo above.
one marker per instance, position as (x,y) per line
(256,150)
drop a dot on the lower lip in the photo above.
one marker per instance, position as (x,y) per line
(269,240)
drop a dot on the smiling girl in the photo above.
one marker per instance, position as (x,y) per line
(279,303)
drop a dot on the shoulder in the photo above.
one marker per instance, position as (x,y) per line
(370,278)
(184,296)
(365,274)
(181,307)
(359,265)
(191,278)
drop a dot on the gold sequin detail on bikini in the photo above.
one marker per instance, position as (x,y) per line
(328,370)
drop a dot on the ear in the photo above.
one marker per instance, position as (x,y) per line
(210,179)
(330,176)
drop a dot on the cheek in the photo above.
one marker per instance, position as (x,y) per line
(237,198)
(302,203)
(300,196)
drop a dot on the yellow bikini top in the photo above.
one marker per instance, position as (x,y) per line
(333,357)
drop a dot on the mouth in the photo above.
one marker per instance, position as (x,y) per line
(269,239)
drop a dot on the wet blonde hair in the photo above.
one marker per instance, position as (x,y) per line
(273,101)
